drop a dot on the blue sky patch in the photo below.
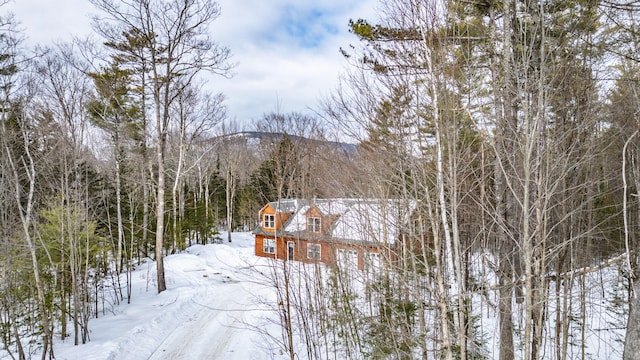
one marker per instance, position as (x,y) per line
(307,27)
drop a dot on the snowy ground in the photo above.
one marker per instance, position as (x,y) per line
(220,303)
(216,298)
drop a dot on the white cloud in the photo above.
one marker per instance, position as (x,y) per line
(48,21)
(286,50)
(278,67)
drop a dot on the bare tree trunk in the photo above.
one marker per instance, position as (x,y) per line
(119,213)
(230,195)
(632,337)
(160,212)
(21,354)
(502,93)
(63,278)
(26,214)
(130,256)
(174,201)
(145,214)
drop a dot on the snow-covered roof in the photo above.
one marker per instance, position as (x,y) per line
(285,205)
(373,220)
(333,206)
(298,221)
(359,220)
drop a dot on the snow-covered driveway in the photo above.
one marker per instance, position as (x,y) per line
(214,301)
(208,333)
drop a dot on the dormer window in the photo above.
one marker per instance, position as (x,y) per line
(314,224)
(269,221)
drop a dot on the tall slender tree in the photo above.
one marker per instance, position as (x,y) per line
(113,110)
(178,48)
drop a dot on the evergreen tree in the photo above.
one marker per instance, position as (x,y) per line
(114,110)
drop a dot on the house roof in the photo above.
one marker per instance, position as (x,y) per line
(377,221)
(356,220)
(285,205)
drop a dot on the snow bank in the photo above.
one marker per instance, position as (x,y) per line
(209,310)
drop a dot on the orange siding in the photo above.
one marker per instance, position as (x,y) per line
(259,250)
(313,212)
(326,220)
(328,250)
(326,255)
(281,247)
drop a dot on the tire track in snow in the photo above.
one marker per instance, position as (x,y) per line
(210,328)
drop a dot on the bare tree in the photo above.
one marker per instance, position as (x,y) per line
(178,48)
(198,115)
(22,168)
(233,153)
(65,90)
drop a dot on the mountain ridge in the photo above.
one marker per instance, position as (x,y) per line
(347,148)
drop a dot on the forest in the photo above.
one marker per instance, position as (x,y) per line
(514,124)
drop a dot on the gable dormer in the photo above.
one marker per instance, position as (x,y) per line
(271,220)
(314,217)
(320,217)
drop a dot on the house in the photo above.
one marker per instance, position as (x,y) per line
(354,231)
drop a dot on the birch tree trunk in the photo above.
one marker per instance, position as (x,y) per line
(632,336)
(174,37)
(25,204)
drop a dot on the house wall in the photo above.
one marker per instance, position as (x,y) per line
(326,255)
(362,250)
(259,246)
(300,249)
(281,250)
(329,250)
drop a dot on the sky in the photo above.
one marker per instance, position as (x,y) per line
(287,51)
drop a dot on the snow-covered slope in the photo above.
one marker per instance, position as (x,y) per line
(214,301)
(221,304)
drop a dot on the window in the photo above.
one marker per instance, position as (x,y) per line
(418,227)
(269,246)
(314,224)
(291,247)
(269,221)
(347,258)
(374,261)
(314,251)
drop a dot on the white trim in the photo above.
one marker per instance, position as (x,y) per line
(314,224)
(269,224)
(269,246)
